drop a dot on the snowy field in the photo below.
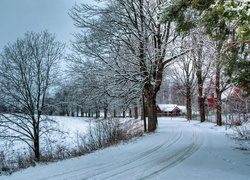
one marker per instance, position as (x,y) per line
(70,128)
(177,150)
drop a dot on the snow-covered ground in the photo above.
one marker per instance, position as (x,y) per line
(177,150)
(70,128)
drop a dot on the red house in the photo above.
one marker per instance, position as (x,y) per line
(211,102)
(168,110)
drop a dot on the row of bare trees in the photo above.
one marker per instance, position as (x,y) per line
(129,47)
(132,42)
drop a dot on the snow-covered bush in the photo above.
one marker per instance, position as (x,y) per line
(243,131)
(3,165)
(103,133)
(62,144)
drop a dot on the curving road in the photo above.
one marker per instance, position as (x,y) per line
(178,150)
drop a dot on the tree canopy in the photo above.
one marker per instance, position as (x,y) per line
(226,22)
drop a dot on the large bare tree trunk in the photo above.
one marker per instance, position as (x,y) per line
(218,95)
(37,148)
(201,99)
(218,111)
(201,102)
(151,107)
(36,140)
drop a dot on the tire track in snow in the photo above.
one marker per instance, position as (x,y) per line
(143,163)
(129,161)
(172,160)
(149,166)
(137,162)
(89,172)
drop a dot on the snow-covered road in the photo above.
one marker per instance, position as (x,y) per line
(178,150)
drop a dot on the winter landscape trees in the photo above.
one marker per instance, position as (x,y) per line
(124,51)
(225,23)
(27,71)
(126,38)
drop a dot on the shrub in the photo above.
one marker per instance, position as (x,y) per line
(243,131)
(101,133)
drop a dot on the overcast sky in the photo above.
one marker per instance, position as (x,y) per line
(19,16)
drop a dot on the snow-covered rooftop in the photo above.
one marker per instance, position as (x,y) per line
(171,107)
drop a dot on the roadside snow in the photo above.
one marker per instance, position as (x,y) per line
(177,150)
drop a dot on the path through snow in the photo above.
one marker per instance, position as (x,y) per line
(177,150)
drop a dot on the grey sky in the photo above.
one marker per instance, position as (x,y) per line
(19,16)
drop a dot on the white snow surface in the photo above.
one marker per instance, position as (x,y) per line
(177,150)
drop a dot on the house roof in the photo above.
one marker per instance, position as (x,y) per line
(182,108)
(167,107)
(171,107)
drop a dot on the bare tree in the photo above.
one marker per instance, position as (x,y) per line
(202,56)
(28,69)
(221,82)
(183,72)
(91,82)
(126,37)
